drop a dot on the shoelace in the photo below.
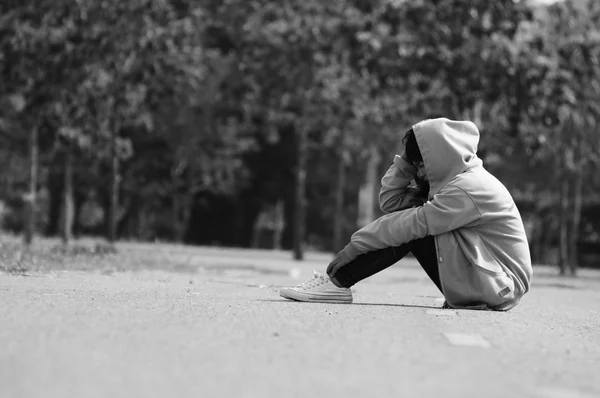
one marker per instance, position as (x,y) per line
(317,279)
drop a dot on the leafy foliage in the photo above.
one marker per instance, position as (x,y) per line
(209,101)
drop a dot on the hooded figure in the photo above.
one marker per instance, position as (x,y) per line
(467,232)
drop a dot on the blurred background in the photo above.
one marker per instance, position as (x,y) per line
(268,124)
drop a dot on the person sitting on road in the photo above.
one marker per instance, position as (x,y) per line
(457,219)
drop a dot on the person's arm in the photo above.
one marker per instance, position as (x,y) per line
(395,193)
(450,209)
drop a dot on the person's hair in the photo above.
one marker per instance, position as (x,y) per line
(413,153)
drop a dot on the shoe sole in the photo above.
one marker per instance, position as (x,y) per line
(296,296)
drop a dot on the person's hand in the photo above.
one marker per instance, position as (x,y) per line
(403,155)
(338,262)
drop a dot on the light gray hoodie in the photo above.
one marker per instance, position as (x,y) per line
(482,250)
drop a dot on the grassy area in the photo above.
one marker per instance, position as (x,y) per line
(47,254)
(83,255)
(95,255)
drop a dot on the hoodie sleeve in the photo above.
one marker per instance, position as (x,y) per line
(450,209)
(395,193)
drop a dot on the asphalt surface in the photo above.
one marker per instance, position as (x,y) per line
(167,321)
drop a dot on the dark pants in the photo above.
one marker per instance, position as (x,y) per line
(371,263)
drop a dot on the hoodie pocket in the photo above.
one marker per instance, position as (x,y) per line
(495,287)
(492,282)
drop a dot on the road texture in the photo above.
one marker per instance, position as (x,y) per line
(168,321)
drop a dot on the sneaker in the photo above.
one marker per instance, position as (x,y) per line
(319,289)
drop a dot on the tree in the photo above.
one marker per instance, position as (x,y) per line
(166,113)
(561,128)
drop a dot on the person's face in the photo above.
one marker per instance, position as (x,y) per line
(421,174)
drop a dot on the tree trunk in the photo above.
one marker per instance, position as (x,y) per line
(55,194)
(338,222)
(176,211)
(547,238)
(256,233)
(563,248)
(182,209)
(576,221)
(279,219)
(114,190)
(300,202)
(68,211)
(31,201)
(538,248)
(187,206)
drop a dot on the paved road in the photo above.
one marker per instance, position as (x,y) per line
(209,323)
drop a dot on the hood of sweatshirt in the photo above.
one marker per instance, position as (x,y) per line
(448,147)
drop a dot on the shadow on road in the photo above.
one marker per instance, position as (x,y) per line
(366,304)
